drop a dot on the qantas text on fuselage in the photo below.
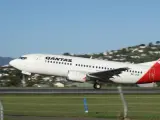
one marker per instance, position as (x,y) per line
(58,59)
(94,71)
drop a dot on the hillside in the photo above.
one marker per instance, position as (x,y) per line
(5,60)
(134,54)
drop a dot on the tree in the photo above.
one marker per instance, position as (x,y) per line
(142,45)
(150,44)
(68,54)
(84,56)
(157,42)
(124,51)
(14,81)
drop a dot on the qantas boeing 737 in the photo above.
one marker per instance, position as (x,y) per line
(95,71)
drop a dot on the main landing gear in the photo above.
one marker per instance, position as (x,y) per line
(97,85)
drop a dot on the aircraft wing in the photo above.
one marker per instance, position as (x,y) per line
(106,75)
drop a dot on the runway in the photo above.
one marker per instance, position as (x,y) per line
(78,91)
(11,117)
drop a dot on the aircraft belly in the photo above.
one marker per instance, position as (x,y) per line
(125,78)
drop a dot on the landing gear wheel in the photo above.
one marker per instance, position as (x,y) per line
(97,86)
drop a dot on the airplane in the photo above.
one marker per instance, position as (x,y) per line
(97,72)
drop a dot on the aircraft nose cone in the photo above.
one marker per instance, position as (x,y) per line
(17,63)
(12,63)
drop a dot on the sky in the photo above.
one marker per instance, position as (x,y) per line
(76,26)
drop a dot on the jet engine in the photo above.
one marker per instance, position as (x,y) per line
(76,76)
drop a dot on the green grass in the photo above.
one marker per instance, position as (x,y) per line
(141,107)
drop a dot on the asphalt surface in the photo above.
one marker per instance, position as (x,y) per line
(49,118)
(78,91)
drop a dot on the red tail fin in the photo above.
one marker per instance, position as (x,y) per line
(152,75)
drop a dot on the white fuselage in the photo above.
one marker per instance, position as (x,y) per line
(37,63)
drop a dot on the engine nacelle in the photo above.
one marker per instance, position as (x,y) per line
(76,76)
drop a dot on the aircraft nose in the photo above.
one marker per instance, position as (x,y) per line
(12,63)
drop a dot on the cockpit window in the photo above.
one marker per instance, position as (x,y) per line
(22,58)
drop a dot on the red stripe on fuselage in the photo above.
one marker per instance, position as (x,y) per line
(152,75)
